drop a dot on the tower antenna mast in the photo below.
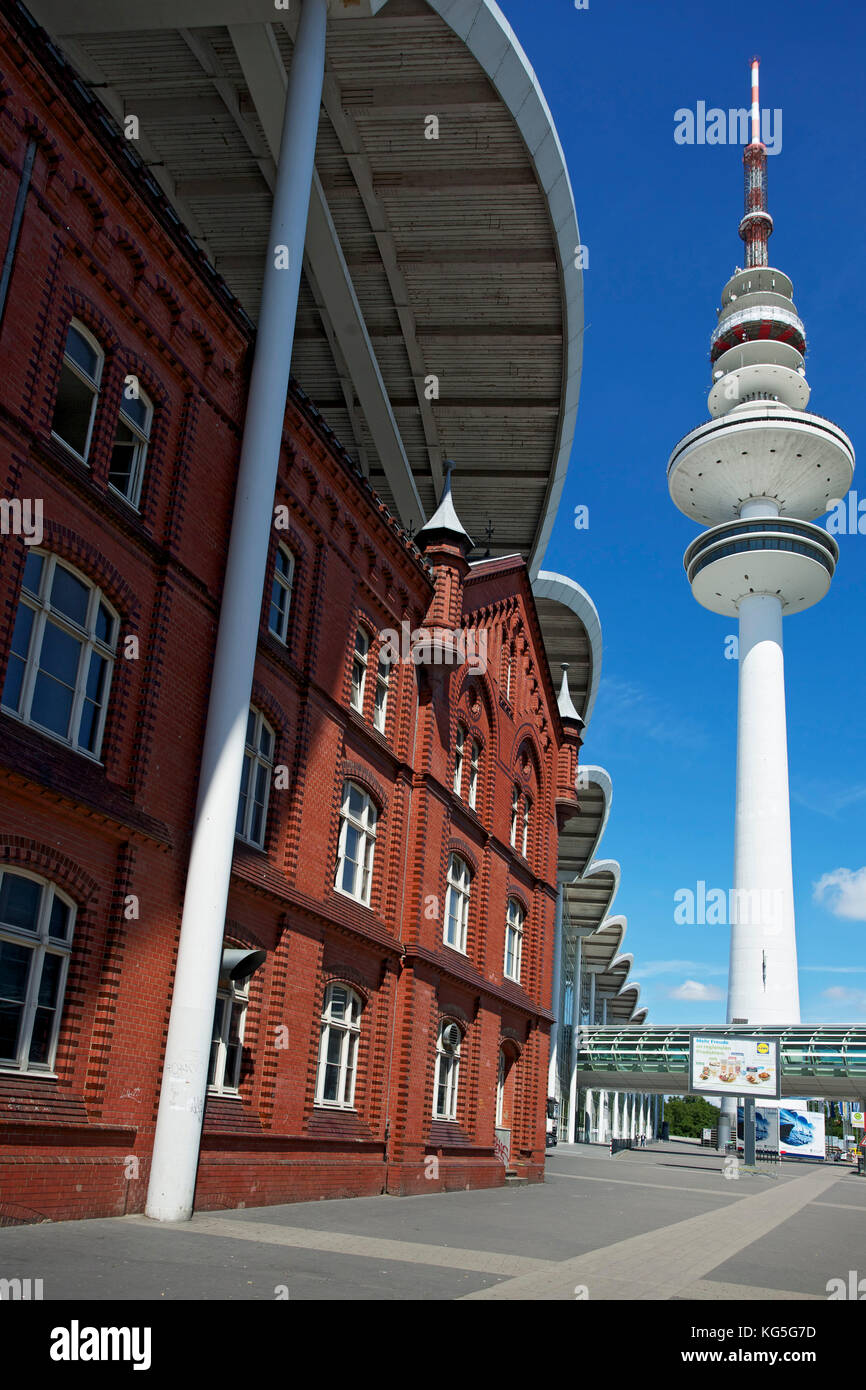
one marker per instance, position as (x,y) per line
(757,224)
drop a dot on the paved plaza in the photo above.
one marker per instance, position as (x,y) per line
(660,1223)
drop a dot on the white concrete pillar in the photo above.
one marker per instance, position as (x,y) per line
(573,1088)
(763,967)
(592,998)
(603,1120)
(556,1002)
(184,1080)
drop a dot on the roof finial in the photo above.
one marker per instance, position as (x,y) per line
(445,524)
(565,704)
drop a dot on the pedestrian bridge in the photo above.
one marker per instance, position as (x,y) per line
(815,1061)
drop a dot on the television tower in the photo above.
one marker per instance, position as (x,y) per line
(757,475)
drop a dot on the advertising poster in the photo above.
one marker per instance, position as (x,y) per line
(788,1126)
(766,1127)
(739,1065)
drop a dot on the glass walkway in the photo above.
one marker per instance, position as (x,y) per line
(815,1061)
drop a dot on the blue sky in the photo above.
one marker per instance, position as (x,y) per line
(660,223)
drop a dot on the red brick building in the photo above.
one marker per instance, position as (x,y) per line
(395,861)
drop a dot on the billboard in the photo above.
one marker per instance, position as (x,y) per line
(741,1066)
(788,1126)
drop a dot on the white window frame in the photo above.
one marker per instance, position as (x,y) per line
(93,384)
(457,902)
(89,643)
(500,1088)
(527,812)
(254,759)
(380,703)
(360,658)
(515,923)
(142,437)
(282,585)
(40,944)
(348,1030)
(365,826)
(474,772)
(447,1060)
(235,998)
(509,658)
(459,747)
(515,813)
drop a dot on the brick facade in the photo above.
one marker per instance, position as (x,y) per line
(113,834)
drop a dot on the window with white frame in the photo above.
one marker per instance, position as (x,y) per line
(447,1071)
(474,769)
(357,841)
(62,654)
(227,1043)
(281,593)
(527,812)
(457,903)
(36,922)
(131,438)
(515,813)
(514,924)
(255,780)
(509,672)
(459,748)
(359,668)
(338,1048)
(78,390)
(500,1087)
(383,681)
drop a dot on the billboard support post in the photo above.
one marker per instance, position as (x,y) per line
(749,1128)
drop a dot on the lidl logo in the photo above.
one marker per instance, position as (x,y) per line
(763,1047)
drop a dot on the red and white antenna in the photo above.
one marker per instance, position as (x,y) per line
(757,224)
(756,104)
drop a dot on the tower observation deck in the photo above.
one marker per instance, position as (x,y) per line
(758,474)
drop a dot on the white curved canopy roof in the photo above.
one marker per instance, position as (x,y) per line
(451,258)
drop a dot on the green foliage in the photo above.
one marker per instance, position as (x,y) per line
(688,1115)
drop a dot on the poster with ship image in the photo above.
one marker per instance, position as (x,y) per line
(736,1065)
(788,1127)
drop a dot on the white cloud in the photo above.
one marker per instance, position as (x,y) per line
(848,998)
(650,968)
(696,993)
(844,893)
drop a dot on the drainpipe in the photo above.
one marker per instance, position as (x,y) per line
(15,229)
(184,1080)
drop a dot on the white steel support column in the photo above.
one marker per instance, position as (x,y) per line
(184,1081)
(556,1002)
(573,1089)
(592,998)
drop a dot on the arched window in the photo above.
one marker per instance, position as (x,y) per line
(383,681)
(281,593)
(514,924)
(358,817)
(359,668)
(515,813)
(338,1048)
(447,1071)
(527,812)
(78,390)
(474,770)
(36,922)
(62,654)
(459,753)
(255,780)
(126,470)
(227,1045)
(457,903)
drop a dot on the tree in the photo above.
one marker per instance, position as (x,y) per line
(688,1115)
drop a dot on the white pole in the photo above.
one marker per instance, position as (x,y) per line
(573,1089)
(556,1002)
(184,1081)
